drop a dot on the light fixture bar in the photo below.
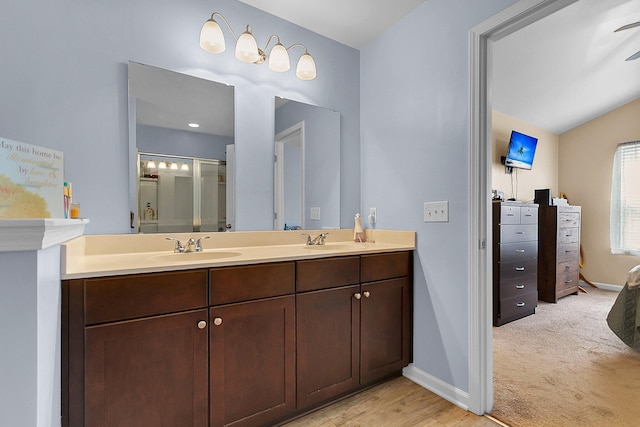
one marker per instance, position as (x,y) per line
(212,40)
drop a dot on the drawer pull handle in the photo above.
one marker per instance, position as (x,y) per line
(567,267)
(519,268)
(202,324)
(519,286)
(357,295)
(510,214)
(366,294)
(520,304)
(568,281)
(528,215)
(217,321)
(520,251)
(519,232)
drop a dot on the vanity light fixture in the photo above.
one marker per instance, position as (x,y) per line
(151,164)
(174,166)
(212,40)
(162,165)
(184,167)
(193,125)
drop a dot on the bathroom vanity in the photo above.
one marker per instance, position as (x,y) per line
(249,335)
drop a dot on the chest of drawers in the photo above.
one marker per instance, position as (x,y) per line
(515,261)
(559,251)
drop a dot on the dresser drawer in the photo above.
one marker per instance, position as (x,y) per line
(385,266)
(509,214)
(569,235)
(518,251)
(520,286)
(518,269)
(528,215)
(568,219)
(565,280)
(568,251)
(518,233)
(520,304)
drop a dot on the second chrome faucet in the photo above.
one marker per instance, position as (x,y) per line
(192,245)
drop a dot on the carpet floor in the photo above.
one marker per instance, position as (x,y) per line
(563,366)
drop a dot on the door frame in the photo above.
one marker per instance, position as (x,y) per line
(480,325)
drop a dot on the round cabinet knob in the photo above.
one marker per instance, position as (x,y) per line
(202,324)
(357,295)
(367,294)
(217,321)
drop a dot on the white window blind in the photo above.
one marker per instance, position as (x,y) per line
(625,200)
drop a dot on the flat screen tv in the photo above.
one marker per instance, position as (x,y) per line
(521,150)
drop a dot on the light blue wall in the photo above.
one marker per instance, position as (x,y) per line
(156,140)
(64,86)
(414,142)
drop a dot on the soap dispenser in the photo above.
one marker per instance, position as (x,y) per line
(358,232)
(148,213)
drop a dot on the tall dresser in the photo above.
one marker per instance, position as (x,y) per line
(559,251)
(515,261)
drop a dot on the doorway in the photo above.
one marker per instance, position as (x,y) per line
(481,37)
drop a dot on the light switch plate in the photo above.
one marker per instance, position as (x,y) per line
(436,211)
(315,214)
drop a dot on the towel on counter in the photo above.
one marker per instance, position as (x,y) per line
(624,316)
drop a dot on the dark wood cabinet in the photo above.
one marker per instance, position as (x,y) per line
(252,362)
(242,346)
(352,336)
(515,261)
(559,252)
(147,372)
(252,344)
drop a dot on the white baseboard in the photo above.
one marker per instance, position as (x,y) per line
(446,391)
(605,286)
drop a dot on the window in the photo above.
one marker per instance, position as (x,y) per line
(625,200)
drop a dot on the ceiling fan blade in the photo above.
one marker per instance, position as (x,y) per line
(628,26)
(634,56)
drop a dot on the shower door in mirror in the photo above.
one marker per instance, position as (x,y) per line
(180,194)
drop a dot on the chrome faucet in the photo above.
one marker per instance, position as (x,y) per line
(192,245)
(318,240)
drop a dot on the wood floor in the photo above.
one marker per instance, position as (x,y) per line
(396,403)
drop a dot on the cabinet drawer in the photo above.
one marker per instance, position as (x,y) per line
(327,273)
(565,280)
(235,284)
(127,297)
(518,233)
(568,251)
(520,304)
(517,269)
(520,286)
(384,266)
(528,215)
(568,219)
(568,235)
(510,252)
(509,214)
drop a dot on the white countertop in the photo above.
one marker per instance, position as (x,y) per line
(111,255)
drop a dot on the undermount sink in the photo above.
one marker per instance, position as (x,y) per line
(336,246)
(194,256)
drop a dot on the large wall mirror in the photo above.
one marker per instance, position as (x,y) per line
(307,166)
(182,136)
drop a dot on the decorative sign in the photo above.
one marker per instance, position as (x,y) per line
(31,181)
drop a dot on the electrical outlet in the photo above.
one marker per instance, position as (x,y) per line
(314,214)
(372,216)
(436,211)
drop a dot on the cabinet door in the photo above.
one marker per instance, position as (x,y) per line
(148,372)
(328,324)
(252,362)
(385,330)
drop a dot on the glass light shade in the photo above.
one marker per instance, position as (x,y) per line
(247,48)
(162,165)
(211,37)
(184,167)
(151,164)
(279,59)
(174,166)
(306,69)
